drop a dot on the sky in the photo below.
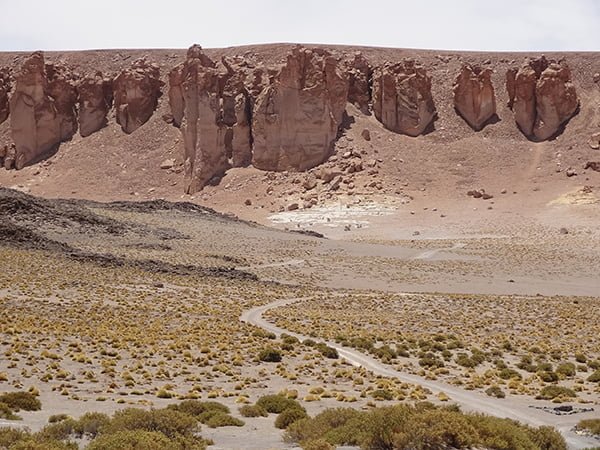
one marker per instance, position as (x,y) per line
(496,25)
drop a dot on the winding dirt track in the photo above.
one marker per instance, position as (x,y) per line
(516,409)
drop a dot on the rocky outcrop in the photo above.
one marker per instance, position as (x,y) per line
(211,107)
(5,86)
(136,94)
(95,101)
(474,97)
(296,118)
(42,109)
(402,99)
(62,89)
(360,74)
(542,97)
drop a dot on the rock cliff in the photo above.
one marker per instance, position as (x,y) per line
(402,99)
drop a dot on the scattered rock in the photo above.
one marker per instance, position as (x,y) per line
(167,163)
(595,141)
(402,99)
(563,231)
(571,172)
(292,207)
(596,77)
(594,165)
(366,134)
(248,202)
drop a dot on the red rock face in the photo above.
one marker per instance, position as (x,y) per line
(402,99)
(4,91)
(543,97)
(211,107)
(296,119)
(360,74)
(136,93)
(42,109)
(61,87)
(95,100)
(474,96)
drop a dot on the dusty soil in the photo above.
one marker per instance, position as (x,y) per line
(106,303)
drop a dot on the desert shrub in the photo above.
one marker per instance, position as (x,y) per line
(59,431)
(595,377)
(594,365)
(385,352)
(270,354)
(91,423)
(287,339)
(276,404)
(580,358)
(361,343)
(166,421)
(382,394)
(7,413)
(21,401)
(134,440)
(507,374)
(592,425)
(318,444)
(547,376)
(552,392)
(33,444)
(495,391)
(420,427)
(548,438)
(566,369)
(58,418)
(9,436)
(198,408)
(221,419)
(430,360)
(289,416)
(526,364)
(327,425)
(462,359)
(327,351)
(264,334)
(253,411)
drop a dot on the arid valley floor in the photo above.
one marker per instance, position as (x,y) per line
(118,290)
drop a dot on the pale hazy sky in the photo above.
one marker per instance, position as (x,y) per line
(540,25)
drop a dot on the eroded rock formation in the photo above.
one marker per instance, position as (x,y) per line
(95,101)
(402,99)
(542,97)
(360,74)
(42,109)
(136,93)
(61,88)
(474,96)
(211,107)
(296,119)
(5,86)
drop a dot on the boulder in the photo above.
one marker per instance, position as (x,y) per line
(360,75)
(542,97)
(474,97)
(402,99)
(95,101)
(211,107)
(297,117)
(136,93)
(5,86)
(42,109)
